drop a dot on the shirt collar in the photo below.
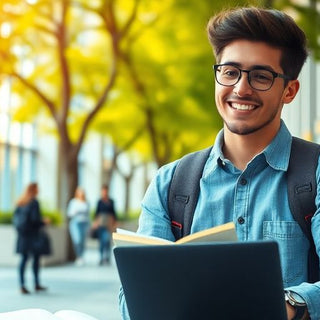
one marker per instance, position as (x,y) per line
(277,153)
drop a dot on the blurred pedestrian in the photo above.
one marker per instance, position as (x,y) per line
(105,221)
(32,241)
(78,212)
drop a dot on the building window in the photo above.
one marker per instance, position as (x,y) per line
(18,155)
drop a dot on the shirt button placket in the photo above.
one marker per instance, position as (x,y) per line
(241,205)
(243,181)
(241,220)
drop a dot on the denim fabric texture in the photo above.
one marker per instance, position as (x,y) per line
(255,200)
(78,232)
(104,237)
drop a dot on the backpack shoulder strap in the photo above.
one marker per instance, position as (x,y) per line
(184,191)
(302,189)
(302,185)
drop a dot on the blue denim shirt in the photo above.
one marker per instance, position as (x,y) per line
(257,197)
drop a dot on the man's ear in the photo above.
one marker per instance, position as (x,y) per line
(291,90)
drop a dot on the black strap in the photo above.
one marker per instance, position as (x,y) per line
(302,189)
(184,191)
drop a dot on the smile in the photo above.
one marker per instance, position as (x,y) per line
(245,107)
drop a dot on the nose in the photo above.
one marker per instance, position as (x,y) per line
(242,87)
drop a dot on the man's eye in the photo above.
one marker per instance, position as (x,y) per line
(262,76)
(230,73)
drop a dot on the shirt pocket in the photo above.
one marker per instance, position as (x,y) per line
(293,249)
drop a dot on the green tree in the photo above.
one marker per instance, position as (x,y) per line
(137,70)
(62,57)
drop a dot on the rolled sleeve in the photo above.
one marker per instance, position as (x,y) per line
(311,295)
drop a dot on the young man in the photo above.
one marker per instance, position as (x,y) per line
(259,55)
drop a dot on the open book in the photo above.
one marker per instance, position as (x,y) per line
(42,314)
(225,232)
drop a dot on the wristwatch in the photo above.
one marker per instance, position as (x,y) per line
(297,302)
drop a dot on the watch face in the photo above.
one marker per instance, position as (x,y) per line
(296,299)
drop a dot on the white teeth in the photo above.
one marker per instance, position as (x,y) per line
(242,106)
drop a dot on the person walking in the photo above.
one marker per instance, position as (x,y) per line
(105,220)
(78,212)
(31,241)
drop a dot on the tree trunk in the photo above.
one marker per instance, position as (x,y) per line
(127,180)
(69,175)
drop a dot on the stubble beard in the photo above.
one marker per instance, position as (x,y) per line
(244,129)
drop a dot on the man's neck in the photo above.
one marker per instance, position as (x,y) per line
(241,149)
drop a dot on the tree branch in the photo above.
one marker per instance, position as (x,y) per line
(133,139)
(130,21)
(65,86)
(101,101)
(50,105)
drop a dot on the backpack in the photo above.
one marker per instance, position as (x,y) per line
(21,219)
(184,191)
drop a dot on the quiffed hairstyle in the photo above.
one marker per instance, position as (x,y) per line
(256,24)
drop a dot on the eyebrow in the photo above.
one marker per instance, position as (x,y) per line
(256,66)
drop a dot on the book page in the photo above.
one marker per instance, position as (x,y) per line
(73,315)
(125,237)
(42,314)
(225,232)
(27,314)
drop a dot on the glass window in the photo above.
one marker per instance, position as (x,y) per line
(15,133)
(4,127)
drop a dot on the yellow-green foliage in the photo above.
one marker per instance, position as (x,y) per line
(55,217)
(129,216)
(5,217)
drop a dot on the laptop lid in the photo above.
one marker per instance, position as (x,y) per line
(226,281)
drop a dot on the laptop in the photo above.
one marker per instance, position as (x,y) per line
(223,281)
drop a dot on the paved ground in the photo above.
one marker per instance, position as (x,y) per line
(90,288)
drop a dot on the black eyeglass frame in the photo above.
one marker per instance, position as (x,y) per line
(274,75)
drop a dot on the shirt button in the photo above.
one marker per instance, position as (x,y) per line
(241,220)
(243,181)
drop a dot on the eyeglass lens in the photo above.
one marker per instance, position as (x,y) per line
(259,79)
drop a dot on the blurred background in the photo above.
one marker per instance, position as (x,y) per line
(107,91)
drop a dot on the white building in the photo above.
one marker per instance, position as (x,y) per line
(27,156)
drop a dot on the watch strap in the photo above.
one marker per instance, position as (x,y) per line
(300,311)
(298,303)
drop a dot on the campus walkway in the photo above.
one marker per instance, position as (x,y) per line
(90,288)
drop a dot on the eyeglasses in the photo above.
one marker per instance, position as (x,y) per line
(259,78)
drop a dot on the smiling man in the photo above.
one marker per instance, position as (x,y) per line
(250,92)
(259,55)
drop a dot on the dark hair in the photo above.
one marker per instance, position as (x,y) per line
(257,24)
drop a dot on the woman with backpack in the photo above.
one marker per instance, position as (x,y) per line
(31,240)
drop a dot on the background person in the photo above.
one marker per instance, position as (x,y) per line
(105,220)
(259,55)
(78,212)
(28,209)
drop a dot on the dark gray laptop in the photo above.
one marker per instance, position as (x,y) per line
(222,281)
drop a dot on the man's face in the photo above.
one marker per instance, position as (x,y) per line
(243,109)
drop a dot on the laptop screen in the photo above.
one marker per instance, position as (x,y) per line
(240,280)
